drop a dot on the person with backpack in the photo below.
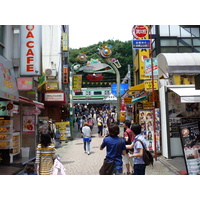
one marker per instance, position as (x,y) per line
(128,137)
(139,164)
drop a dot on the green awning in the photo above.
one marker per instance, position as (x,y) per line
(135,100)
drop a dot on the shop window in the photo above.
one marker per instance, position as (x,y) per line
(172,42)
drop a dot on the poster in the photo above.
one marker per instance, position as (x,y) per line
(146,122)
(64,130)
(28,124)
(190,137)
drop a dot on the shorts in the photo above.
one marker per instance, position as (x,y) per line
(125,159)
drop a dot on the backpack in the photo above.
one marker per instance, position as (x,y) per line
(147,156)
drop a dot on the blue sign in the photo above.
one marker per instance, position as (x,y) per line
(141,44)
(123,89)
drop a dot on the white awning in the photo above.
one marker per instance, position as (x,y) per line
(188,93)
(178,63)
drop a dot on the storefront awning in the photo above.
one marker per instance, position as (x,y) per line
(29,101)
(135,100)
(178,63)
(136,87)
(188,94)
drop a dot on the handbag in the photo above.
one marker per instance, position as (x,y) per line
(147,156)
(107,167)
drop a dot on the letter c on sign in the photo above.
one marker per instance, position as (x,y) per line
(28,44)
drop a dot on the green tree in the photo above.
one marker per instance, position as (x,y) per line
(121,51)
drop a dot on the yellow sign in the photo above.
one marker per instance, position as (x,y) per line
(148,85)
(52,86)
(64,130)
(127,100)
(65,42)
(77,82)
(148,105)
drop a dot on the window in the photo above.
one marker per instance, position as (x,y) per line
(195,32)
(196,42)
(78,93)
(97,93)
(185,32)
(164,30)
(175,30)
(172,42)
(185,42)
(185,49)
(169,49)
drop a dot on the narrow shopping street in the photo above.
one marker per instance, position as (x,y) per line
(76,162)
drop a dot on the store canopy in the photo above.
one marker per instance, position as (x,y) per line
(135,100)
(136,87)
(178,63)
(187,93)
(32,102)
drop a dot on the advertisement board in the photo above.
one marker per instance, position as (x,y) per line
(123,89)
(64,130)
(30,60)
(190,137)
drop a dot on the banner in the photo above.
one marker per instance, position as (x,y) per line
(148,66)
(77,83)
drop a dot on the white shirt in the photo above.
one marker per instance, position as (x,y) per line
(86,132)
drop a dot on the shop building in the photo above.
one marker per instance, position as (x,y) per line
(181,69)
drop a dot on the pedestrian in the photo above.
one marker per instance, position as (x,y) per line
(78,120)
(30,169)
(45,155)
(90,122)
(111,143)
(110,120)
(129,137)
(139,164)
(82,121)
(105,130)
(86,137)
(92,111)
(100,125)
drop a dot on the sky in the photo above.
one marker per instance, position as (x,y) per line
(92,21)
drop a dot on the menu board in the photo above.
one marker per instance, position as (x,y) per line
(190,137)
(146,122)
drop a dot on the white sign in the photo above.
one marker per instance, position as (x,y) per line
(30,50)
(54,96)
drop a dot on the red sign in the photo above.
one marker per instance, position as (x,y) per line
(139,31)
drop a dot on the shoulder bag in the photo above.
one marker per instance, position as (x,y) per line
(147,156)
(108,166)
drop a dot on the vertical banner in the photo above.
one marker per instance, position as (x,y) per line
(148,67)
(190,137)
(146,122)
(30,61)
(65,74)
(65,41)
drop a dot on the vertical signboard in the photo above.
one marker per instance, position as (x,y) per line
(190,136)
(77,83)
(30,61)
(148,66)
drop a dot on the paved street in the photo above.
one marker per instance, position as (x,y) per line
(77,162)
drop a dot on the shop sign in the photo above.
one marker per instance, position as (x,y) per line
(3,108)
(30,50)
(123,89)
(127,100)
(148,66)
(25,83)
(148,85)
(77,83)
(8,85)
(140,31)
(64,129)
(59,96)
(141,44)
(147,105)
(52,86)
(36,111)
(65,41)
(190,137)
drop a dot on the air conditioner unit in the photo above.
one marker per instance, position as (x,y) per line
(50,72)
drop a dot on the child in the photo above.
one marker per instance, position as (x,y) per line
(30,169)
(105,131)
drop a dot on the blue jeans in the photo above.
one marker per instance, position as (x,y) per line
(117,170)
(88,145)
(139,169)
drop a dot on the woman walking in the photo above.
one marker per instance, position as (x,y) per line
(86,137)
(113,151)
(45,155)
(100,125)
